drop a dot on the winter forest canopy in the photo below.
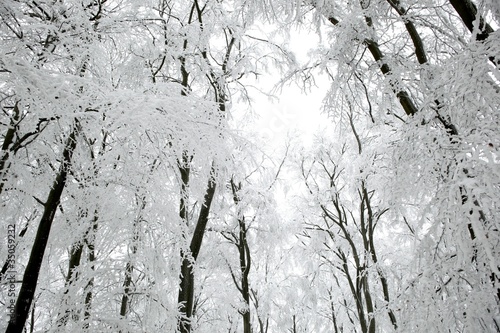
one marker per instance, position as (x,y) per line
(135,198)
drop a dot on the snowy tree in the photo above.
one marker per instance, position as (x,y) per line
(435,174)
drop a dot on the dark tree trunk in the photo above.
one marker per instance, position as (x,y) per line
(74,262)
(7,145)
(404,98)
(412,31)
(245,270)
(186,286)
(245,261)
(30,278)
(90,241)
(186,296)
(468,13)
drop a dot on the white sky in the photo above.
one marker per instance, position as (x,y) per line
(293,116)
(293,113)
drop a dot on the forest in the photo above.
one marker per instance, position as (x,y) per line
(138,194)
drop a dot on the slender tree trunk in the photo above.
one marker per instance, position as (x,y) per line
(129,268)
(364,288)
(127,282)
(74,262)
(8,144)
(263,326)
(245,270)
(412,31)
(245,260)
(294,324)
(30,278)
(332,311)
(186,286)
(403,96)
(370,249)
(355,291)
(90,241)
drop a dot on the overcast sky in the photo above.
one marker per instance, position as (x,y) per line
(293,113)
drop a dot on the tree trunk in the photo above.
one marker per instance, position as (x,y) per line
(186,286)
(30,278)
(90,285)
(8,144)
(129,268)
(245,270)
(404,98)
(468,13)
(245,260)
(74,262)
